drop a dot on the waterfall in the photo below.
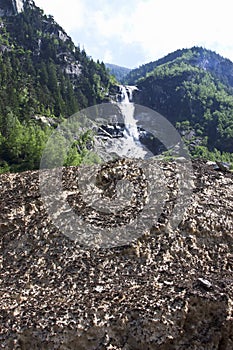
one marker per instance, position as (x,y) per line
(127,109)
(130,144)
(123,93)
(18,5)
(121,137)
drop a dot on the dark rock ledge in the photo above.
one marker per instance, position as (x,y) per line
(170,289)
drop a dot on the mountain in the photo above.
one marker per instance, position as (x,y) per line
(193,89)
(44,77)
(118,71)
(218,66)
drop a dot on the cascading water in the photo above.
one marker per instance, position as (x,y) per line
(127,109)
(129,145)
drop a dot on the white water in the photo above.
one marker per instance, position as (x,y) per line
(127,109)
(18,5)
(128,146)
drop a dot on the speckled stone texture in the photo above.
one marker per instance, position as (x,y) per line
(169,289)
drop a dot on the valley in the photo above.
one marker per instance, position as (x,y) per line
(116,184)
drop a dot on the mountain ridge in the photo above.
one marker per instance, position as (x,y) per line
(44,78)
(192,88)
(201,57)
(118,71)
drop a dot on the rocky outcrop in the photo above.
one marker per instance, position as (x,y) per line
(170,289)
(11,7)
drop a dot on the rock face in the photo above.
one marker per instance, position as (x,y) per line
(11,7)
(170,289)
(18,5)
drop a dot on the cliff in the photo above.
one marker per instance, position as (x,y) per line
(170,289)
(12,7)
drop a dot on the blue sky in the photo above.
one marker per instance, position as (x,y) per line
(132,32)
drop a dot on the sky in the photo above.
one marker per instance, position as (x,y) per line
(130,33)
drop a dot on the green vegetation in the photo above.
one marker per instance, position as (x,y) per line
(185,89)
(42,74)
(221,68)
(44,79)
(118,72)
(62,150)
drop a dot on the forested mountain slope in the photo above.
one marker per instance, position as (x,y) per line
(220,67)
(42,73)
(118,71)
(193,89)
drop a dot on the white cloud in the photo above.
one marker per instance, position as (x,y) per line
(162,26)
(108,57)
(69,14)
(156,27)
